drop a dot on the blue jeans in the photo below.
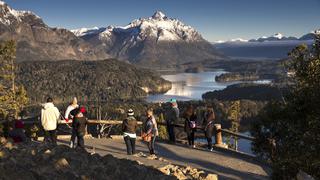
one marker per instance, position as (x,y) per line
(131,145)
(151,144)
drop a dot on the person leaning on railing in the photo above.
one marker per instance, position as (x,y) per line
(190,126)
(171,117)
(50,116)
(208,124)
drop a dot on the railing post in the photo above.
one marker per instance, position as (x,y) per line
(218,135)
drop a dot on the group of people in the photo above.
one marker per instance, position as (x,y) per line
(191,123)
(190,126)
(150,131)
(50,116)
(172,115)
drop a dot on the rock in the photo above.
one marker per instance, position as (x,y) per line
(9,145)
(47,151)
(180,175)
(3,140)
(62,164)
(33,152)
(211,177)
(39,161)
(183,173)
(304,176)
(152,157)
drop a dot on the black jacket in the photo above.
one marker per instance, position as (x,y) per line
(129,125)
(79,124)
(172,115)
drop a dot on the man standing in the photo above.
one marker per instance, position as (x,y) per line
(49,120)
(172,116)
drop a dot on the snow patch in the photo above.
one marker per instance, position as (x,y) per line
(278,36)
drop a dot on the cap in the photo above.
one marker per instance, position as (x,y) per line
(130,112)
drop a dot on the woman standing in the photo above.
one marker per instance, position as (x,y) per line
(208,123)
(129,127)
(68,115)
(190,125)
(151,129)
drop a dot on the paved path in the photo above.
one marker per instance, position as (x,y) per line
(226,165)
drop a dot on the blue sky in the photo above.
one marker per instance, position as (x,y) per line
(214,19)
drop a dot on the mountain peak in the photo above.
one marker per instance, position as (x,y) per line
(2,2)
(9,15)
(278,36)
(158,15)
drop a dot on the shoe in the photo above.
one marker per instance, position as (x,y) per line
(211,149)
(193,146)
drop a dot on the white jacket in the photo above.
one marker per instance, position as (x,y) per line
(69,109)
(49,117)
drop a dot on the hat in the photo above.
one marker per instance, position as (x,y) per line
(83,110)
(173,100)
(130,112)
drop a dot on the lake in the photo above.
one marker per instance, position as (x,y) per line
(191,86)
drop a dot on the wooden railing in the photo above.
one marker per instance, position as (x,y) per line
(218,130)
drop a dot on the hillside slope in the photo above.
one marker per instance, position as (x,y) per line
(88,80)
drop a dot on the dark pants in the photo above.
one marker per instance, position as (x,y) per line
(191,137)
(151,145)
(209,134)
(73,138)
(131,145)
(80,138)
(172,136)
(50,137)
(209,139)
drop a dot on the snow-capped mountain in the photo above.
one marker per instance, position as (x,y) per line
(153,41)
(37,41)
(158,26)
(272,38)
(275,37)
(275,47)
(156,39)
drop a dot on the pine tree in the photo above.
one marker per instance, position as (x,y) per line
(287,133)
(12,97)
(234,117)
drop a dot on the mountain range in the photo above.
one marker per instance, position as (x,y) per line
(275,47)
(157,41)
(153,41)
(273,38)
(37,41)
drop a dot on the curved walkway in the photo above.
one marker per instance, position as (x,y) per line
(226,165)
